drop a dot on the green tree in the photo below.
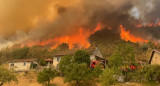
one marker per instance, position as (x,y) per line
(39,53)
(123,55)
(82,56)
(151,73)
(20,53)
(65,62)
(107,77)
(6,76)
(42,62)
(45,76)
(80,73)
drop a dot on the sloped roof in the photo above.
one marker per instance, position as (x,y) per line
(23,60)
(48,59)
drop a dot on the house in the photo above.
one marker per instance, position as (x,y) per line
(57,57)
(96,55)
(155,57)
(23,64)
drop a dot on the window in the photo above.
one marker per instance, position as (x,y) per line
(58,59)
(24,64)
(12,64)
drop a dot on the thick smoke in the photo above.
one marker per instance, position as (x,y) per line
(37,20)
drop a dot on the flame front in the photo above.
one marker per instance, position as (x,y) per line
(125,35)
(80,39)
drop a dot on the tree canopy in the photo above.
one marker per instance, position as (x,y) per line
(123,55)
(6,76)
(65,62)
(78,73)
(45,76)
(81,56)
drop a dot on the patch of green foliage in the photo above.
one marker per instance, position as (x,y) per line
(107,77)
(44,77)
(6,76)
(65,62)
(151,73)
(42,62)
(20,53)
(79,73)
(81,56)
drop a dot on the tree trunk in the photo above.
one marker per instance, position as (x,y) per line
(1,84)
(48,83)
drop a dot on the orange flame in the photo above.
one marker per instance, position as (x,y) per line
(125,35)
(80,39)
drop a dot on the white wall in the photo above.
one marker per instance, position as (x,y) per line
(55,62)
(19,66)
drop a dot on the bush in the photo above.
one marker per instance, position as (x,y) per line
(151,73)
(6,76)
(78,73)
(64,63)
(42,62)
(107,77)
(97,71)
(82,56)
(45,76)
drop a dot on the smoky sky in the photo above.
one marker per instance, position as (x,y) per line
(37,20)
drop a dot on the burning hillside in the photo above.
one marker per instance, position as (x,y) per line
(79,39)
(53,22)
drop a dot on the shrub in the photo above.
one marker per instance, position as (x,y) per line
(64,63)
(6,76)
(45,76)
(151,73)
(107,77)
(78,73)
(97,71)
(81,56)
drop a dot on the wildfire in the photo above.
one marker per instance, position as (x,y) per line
(125,35)
(79,39)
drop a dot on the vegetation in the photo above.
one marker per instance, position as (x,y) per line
(20,53)
(151,73)
(65,62)
(6,76)
(97,71)
(42,62)
(45,76)
(81,56)
(107,77)
(78,73)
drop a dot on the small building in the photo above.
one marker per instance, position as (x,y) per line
(155,57)
(23,64)
(96,55)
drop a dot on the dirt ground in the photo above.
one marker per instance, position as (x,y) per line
(29,79)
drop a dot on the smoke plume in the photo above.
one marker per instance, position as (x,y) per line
(38,20)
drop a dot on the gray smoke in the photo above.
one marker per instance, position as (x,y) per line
(38,20)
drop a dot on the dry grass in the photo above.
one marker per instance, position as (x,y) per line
(29,79)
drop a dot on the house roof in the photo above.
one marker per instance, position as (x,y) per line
(23,60)
(48,59)
(153,51)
